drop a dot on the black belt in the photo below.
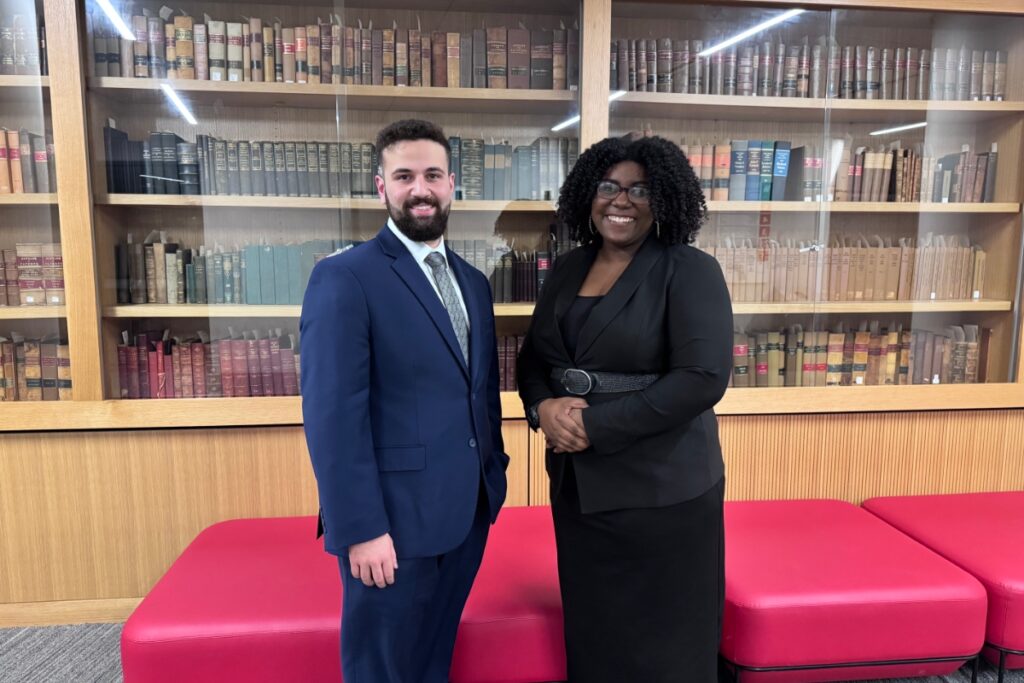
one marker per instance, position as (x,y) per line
(582,382)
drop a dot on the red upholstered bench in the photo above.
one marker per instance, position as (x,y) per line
(821,590)
(259,600)
(984,534)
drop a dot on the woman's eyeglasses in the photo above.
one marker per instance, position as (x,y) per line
(609,189)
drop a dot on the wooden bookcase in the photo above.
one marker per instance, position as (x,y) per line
(173,466)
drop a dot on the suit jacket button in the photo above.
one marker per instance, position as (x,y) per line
(472,443)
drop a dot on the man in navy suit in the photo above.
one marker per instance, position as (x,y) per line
(403,419)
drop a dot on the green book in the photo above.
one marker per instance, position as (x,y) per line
(251,268)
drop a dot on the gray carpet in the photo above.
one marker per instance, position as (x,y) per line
(91,652)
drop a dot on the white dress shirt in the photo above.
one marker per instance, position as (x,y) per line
(420,251)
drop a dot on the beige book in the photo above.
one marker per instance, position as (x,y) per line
(978,275)
(337,50)
(792,280)
(870,270)
(892,357)
(800,286)
(908,255)
(388,58)
(288,54)
(301,55)
(218,50)
(234,51)
(893,258)
(268,54)
(246,53)
(858,272)
(14,159)
(33,371)
(454,60)
(808,367)
(720,181)
(5,166)
(842,193)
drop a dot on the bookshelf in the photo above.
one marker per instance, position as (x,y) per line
(149,474)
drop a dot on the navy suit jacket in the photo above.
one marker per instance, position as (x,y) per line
(400,431)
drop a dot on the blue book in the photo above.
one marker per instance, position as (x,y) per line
(767,149)
(296,286)
(753,186)
(251,269)
(780,170)
(280,274)
(267,295)
(738,170)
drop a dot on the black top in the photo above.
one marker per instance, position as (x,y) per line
(573,320)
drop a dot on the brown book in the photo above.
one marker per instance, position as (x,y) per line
(402,57)
(14,160)
(376,58)
(337,73)
(218,50)
(141,47)
(454,59)
(269,59)
(426,59)
(558,62)
(184,47)
(351,70)
(5,167)
(48,370)
(415,59)
(170,50)
(301,55)
(519,58)
(388,57)
(439,60)
(497,57)
(64,387)
(313,53)
(256,52)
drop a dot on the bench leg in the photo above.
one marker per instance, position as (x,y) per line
(1002,666)
(974,669)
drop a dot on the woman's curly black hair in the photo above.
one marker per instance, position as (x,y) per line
(677,201)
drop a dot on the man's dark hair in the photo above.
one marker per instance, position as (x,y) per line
(412,129)
(677,202)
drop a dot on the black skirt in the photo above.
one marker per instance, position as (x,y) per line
(642,589)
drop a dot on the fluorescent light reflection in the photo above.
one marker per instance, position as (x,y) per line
(897,129)
(182,109)
(576,119)
(754,30)
(116,19)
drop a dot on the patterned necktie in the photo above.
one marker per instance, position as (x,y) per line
(439,268)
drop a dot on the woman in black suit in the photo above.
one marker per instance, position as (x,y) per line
(629,349)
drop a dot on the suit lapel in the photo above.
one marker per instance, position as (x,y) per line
(622,291)
(472,299)
(416,280)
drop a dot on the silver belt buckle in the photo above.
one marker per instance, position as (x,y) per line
(566,380)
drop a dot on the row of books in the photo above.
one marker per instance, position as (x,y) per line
(934,267)
(769,68)
(22,46)
(253,363)
(161,272)
(869,356)
(26,162)
(34,369)
(763,170)
(33,275)
(328,52)
(508,353)
(167,164)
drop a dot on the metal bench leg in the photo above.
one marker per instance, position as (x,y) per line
(974,668)
(1002,666)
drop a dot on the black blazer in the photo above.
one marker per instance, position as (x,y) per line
(669,313)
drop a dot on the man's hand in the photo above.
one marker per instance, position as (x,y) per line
(565,434)
(374,562)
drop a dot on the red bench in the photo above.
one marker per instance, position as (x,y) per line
(259,600)
(822,590)
(983,533)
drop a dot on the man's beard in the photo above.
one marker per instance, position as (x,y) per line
(425,229)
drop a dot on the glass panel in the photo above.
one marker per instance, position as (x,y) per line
(34,358)
(740,90)
(224,175)
(936,170)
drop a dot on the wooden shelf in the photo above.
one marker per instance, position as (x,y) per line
(319,96)
(524,206)
(251,311)
(29,199)
(861,207)
(871,307)
(22,416)
(32,312)
(806,110)
(24,88)
(316,203)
